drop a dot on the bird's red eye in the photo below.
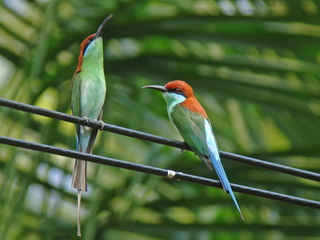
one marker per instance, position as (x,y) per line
(177,90)
(86,45)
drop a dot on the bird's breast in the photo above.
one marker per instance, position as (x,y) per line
(93,92)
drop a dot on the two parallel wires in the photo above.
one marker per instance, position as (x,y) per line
(154,170)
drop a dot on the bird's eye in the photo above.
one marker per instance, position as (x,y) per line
(86,46)
(176,90)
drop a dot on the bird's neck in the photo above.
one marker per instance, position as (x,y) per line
(93,56)
(193,105)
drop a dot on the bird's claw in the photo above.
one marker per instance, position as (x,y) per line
(102,124)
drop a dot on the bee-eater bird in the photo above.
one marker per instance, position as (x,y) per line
(87,100)
(191,120)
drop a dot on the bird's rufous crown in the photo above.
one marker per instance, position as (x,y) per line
(83,47)
(185,89)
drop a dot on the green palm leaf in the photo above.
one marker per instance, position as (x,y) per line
(254,65)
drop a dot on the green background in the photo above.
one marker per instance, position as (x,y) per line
(254,66)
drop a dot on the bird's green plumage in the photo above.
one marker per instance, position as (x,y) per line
(190,125)
(87,100)
(89,86)
(192,128)
(192,122)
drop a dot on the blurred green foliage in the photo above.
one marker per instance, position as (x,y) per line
(254,66)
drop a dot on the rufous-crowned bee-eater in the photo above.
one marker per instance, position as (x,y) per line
(191,120)
(87,100)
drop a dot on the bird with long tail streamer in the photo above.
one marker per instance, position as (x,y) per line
(87,100)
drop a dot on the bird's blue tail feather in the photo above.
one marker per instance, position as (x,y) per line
(224,180)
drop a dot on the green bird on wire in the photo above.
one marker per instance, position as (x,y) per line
(87,100)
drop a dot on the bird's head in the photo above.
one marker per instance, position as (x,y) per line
(176,87)
(174,92)
(91,40)
(179,92)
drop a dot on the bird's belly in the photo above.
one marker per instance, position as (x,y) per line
(92,99)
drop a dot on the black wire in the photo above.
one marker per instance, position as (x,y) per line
(157,171)
(156,139)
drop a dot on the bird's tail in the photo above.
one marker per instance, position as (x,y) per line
(85,140)
(79,177)
(78,214)
(79,182)
(224,181)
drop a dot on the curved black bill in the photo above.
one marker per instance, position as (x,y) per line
(156,87)
(101,28)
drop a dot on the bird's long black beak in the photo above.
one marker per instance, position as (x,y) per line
(101,28)
(156,87)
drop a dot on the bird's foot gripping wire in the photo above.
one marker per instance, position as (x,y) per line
(102,124)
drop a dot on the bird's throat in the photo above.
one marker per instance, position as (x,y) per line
(172,100)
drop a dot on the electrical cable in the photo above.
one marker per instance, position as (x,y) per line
(157,171)
(156,139)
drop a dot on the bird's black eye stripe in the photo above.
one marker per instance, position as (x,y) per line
(86,46)
(176,90)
